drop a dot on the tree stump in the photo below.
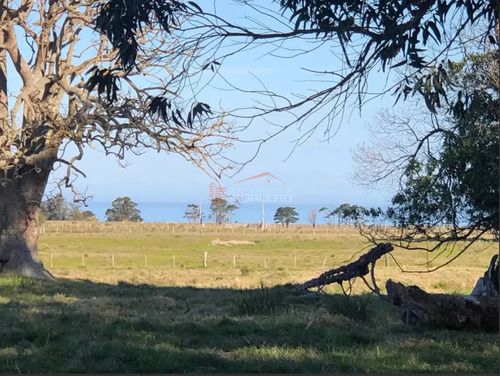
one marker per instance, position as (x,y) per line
(444,310)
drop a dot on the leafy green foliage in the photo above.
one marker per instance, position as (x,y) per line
(123,209)
(58,209)
(82,215)
(122,20)
(192,213)
(221,210)
(352,214)
(286,215)
(106,82)
(399,30)
(458,183)
(55,208)
(162,107)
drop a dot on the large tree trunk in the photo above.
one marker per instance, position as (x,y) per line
(20,200)
(444,310)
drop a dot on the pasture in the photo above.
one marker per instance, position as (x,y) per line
(138,298)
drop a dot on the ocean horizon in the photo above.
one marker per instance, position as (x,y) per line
(249,212)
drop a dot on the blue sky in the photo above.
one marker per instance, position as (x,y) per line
(317,172)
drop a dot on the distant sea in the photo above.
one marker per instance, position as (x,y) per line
(174,211)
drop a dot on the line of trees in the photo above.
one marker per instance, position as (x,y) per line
(58,209)
(221,211)
(65,90)
(352,214)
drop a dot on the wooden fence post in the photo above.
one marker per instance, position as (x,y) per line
(205,256)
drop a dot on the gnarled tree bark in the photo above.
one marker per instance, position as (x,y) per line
(444,310)
(479,310)
(19,209)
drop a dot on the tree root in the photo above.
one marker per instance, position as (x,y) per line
(21,262)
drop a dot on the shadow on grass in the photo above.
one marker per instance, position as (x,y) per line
(82,326)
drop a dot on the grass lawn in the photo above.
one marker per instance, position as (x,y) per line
(151,316)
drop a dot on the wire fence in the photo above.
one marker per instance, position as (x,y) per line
(216,259)
(154,227)
(77,256)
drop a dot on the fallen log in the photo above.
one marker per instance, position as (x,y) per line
(449,311)
(417,307)
(358,268)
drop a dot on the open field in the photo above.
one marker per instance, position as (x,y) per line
(144,253)
(145,314)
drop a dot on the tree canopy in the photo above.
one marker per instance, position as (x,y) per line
(81,89)
(221,210)
(192,213)
(123,209)
(416,39)
(446,167)
(65,88)
(352,214)
(286,215)
(57,208)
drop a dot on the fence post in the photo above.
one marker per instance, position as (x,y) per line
(113,260)
(234,261)
(205,256)
(173,261)
(51,256)
(83,260)
(294,261)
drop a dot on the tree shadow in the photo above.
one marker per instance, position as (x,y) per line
(83,326)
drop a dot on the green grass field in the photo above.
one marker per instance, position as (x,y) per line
(145,314)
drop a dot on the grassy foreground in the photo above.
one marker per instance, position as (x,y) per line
(147,315)
(82,326)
